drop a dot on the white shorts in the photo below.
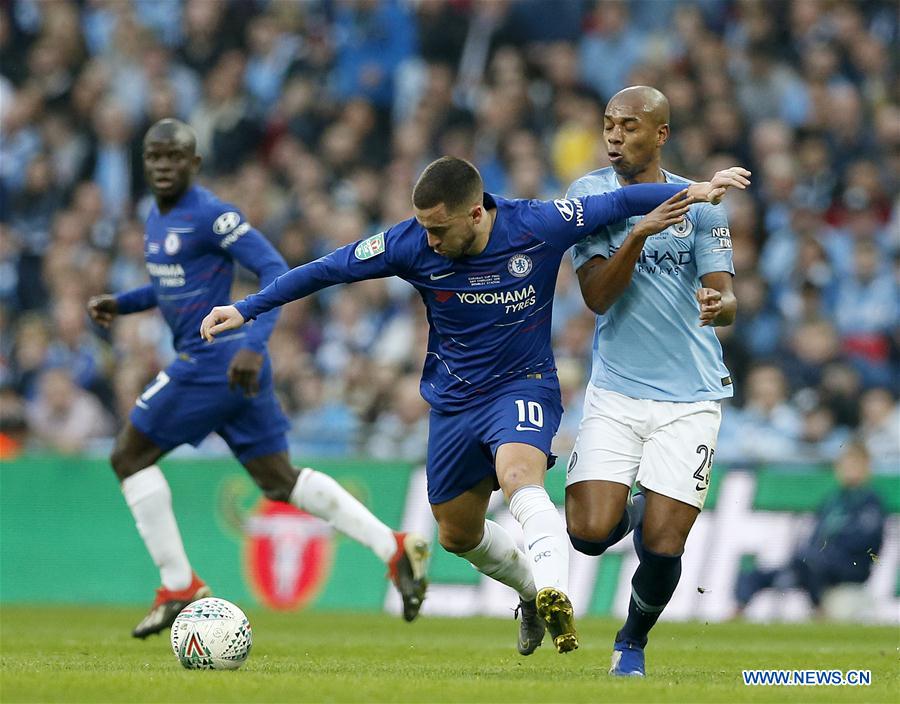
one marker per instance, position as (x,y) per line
(664,446)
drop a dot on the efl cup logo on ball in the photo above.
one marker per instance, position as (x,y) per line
(211,634)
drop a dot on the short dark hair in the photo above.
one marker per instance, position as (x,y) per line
(448,180)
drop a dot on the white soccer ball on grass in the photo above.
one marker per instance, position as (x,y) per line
(211,634)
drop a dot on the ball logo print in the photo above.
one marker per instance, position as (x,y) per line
(519,265)
(288,554)
(211,634)
(226,222)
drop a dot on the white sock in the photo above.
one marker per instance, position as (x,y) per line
(148,496)
(545,537)
(323,497)
(498,556)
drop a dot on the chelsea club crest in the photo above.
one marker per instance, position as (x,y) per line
(172,243)
(519,265)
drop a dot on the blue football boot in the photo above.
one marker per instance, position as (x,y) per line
(627,660)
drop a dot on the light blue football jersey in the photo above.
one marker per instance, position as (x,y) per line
(649,344)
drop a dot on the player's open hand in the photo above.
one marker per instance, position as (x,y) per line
(713,191)
(103,309)
(220,319)
(666,214)
(710,302)
(244,370)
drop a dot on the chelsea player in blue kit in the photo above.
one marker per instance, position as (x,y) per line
(192,242)
(652,408)
(485,268)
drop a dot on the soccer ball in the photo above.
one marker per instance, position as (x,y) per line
(211,634)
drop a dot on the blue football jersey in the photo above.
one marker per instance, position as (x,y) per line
(489,314)
(649,344)
(190,253)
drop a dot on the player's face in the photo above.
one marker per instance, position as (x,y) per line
(168,167)
(450,234)
(632,138)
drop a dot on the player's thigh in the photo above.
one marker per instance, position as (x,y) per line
(610,443)
(171,411)
(667,523)
(256,427)
(133,451)
(274,474)
(461,519)
(678,454)
(594,507)
(518,464)
(457,460)
(518,427)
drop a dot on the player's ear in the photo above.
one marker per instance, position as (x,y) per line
(195,164)
(662,135)
(476,213)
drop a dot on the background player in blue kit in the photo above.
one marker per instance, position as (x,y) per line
(191,244)
(486,269)
(651,412)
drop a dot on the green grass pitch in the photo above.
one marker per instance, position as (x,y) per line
(86,654)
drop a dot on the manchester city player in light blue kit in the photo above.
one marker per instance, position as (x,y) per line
(486,269)
(651,410)
(192,243)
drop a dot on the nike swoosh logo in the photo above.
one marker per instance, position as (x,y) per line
(434,277)
(522,427)
(141,404)
(537,541)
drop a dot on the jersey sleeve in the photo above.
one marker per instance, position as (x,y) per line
(564,221)
(594,243)
(249,247)
(372,258)
(136,300)
(712,240)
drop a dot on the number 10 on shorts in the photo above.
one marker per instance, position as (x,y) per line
(531,415)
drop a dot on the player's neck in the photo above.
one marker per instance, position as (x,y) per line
(167,203)
(484,233)
(652,174)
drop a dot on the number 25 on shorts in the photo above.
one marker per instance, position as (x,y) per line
(531,415)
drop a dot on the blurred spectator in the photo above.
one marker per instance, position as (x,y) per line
(64,418)
(844,544)
(880,429)
(768,426)
(401,432)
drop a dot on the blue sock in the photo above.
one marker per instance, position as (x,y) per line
(630,520)
(652,587)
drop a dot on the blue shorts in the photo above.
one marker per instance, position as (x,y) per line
(462,445)
(173,411)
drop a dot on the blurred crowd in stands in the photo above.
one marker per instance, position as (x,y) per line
(316,117)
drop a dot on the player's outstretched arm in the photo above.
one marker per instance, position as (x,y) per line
(105,307)
(220,319)
(714,190)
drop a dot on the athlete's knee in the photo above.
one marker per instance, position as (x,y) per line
(595,527)
(664,542)
(124,462)
(276,483)
(457,538)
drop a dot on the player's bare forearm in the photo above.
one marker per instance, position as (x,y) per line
(602,280)
(718,304)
